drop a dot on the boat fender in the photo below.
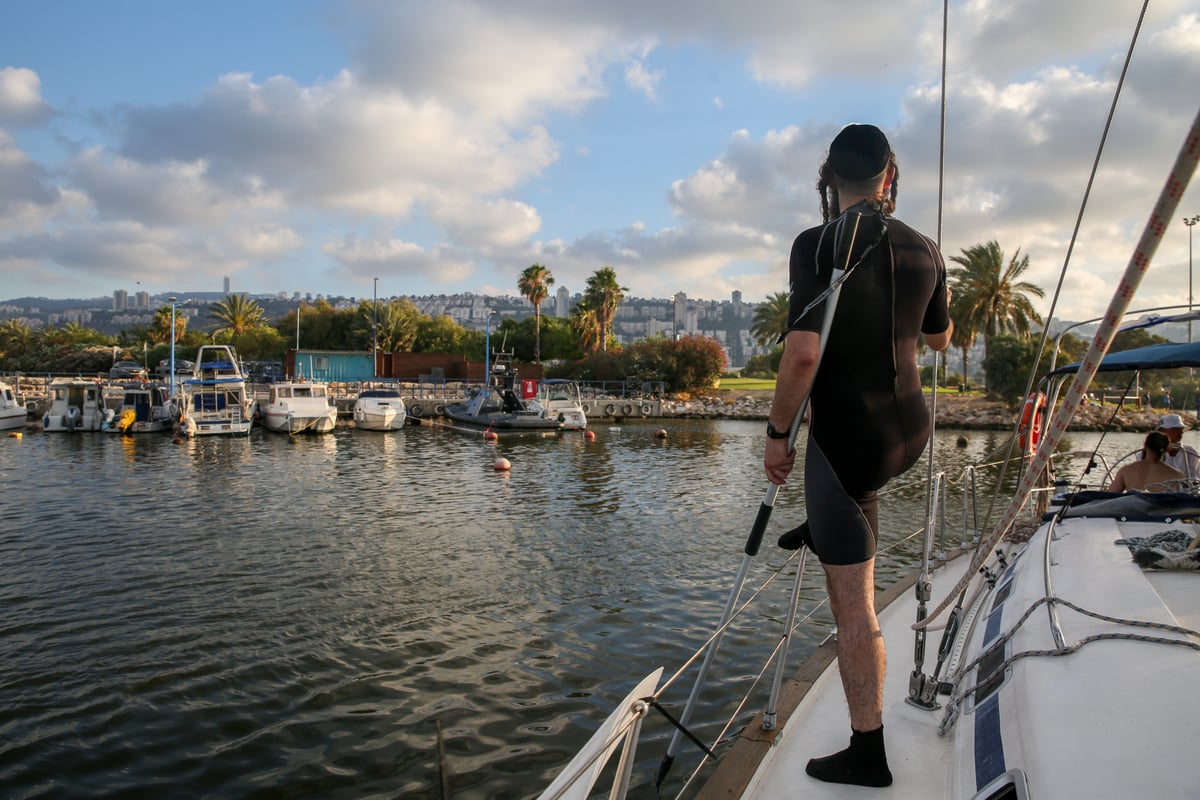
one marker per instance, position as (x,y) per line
(647,410)
(415,410)
(628,409)
(440,410)
(609,410)
(1030,428)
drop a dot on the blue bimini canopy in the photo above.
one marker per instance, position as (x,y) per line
(1156,356)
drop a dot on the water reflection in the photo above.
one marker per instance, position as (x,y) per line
(296,613)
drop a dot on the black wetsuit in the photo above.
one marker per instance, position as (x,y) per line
(869,421)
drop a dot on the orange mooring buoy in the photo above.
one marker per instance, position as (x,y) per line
(502,465)
(660,433)
(589,436)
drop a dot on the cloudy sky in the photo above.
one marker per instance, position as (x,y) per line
(443,146)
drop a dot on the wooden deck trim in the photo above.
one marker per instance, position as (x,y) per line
(737,766)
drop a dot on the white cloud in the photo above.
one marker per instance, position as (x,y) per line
(21,100)
(642,79)
(25,186)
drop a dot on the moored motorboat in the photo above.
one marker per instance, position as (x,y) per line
(299,407)
(562,400)
(12,413)
(215,400)
(76,404)
(379,408)
(498,407)
(139,407)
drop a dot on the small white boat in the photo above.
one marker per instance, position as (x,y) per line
(139,408)
(215,400)
(299,407)
(12,413)
(76,404)
(379,409)
(563,401)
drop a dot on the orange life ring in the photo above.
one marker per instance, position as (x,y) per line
(1030,429)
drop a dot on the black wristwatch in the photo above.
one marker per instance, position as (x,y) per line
(774,434)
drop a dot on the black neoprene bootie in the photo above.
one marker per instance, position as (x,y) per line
(800,535)
(863,763)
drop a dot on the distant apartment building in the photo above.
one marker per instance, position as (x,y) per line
(142,300)
(120,300)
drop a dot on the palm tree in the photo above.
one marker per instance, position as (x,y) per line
(604,296)
(988,296)
(16,338)
(534,284)
(399,324)
(237,313)
(586,324)
(770,319)
(160,329)
(965,332)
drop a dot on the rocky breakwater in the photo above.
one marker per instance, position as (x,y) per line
(970,412)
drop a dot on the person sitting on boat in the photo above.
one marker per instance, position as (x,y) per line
(1149,472)
(1181,456)
(868,422)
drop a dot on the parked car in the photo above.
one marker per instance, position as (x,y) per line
(127,370)
(181,367)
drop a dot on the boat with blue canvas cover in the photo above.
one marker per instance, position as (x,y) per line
(215,399)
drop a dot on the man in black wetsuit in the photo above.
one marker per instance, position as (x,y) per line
(868,420)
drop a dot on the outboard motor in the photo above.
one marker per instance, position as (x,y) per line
(73,418)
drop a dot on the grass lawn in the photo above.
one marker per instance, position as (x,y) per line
(748,384)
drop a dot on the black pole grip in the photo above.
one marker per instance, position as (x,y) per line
(754,541)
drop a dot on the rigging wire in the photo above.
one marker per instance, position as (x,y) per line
(1041,348)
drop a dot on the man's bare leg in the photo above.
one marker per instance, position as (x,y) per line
(862,662)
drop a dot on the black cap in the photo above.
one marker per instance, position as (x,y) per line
(859,152)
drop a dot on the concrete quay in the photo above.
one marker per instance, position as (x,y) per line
(970,412)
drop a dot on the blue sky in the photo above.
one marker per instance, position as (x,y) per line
(444,146)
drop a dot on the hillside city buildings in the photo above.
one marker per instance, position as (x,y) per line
(725,321)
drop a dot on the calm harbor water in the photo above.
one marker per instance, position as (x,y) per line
(274,617)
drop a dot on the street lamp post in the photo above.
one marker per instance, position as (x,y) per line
(172,378)
(375,332)
(487,350)
(1191,223)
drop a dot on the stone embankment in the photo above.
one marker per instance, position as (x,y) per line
(953,411)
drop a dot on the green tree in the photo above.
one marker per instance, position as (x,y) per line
(234,315)
(770,319)
(441,335)
(160,329)
(260,343)
(989,297)
(965,331)
(16,340)
(399,324)
(534,284)
(585,323)
(1007,365)
(603,295)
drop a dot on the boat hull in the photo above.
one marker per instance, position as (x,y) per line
(12,419)
(501,421)
(375,415)
(282,421)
